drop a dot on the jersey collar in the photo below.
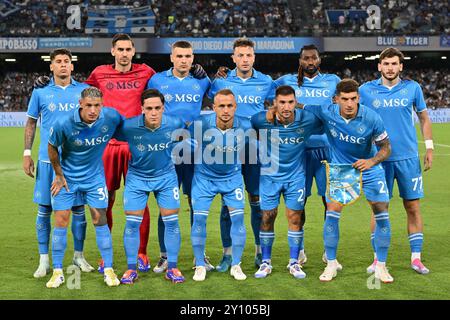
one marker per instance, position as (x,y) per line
(141,122)
(380,82)
(72,82)
(233,73)
(169,73)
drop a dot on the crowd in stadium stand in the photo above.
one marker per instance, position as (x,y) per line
(16,87)
(223,18)
(235,18)
(397,16)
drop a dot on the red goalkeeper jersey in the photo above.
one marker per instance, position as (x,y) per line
(122,90)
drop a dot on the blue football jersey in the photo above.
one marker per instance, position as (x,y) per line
(351,140)
(51,103)
(183,97)
(316,91)
(287,159)
(151,150)
(218,153)
(250,93)
(396,106)
(82,145)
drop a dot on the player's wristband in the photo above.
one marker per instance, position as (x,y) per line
(27,153)
(429,144)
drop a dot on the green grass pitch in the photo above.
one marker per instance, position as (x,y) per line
(19,255)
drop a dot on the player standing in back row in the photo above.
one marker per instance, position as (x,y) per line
(183,95)
(394,99)
(49,104)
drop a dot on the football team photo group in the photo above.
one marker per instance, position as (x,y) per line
(263,139)
(235,151)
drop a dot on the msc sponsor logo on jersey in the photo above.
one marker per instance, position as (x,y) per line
(249,99)
(184,97)
(158,146)
(123,85)
(351,139)
(390,103)
(312,93)
(223,149)
(92,141)
(290,140)
(62,106)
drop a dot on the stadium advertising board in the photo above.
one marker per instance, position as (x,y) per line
(64,42)
(225,45)
(12,44)
(404,41)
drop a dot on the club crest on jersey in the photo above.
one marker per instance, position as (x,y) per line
(259,88)
(105,129)
(361,129)
(110,86)
(196,87)
(52,107)
(300,131)
(168,135)
(404,92)
(168,97)
(376,103)
(140,147)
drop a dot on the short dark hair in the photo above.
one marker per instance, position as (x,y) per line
(151,93)
(284,91)
(182,44)
(391,52)
(309,47)
(347,86)
(225,92)
(121,36)
(59,51)
(243,42)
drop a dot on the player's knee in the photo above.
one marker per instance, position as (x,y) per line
(378,207)
(99,218)
(294,219)
(268,219)
(253,198)
(412,207)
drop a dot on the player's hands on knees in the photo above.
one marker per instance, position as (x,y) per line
(28,166)
(58,184)
(363,164)
(271,114)
(428,160)
(41,82)
(222,72)
(198,72)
